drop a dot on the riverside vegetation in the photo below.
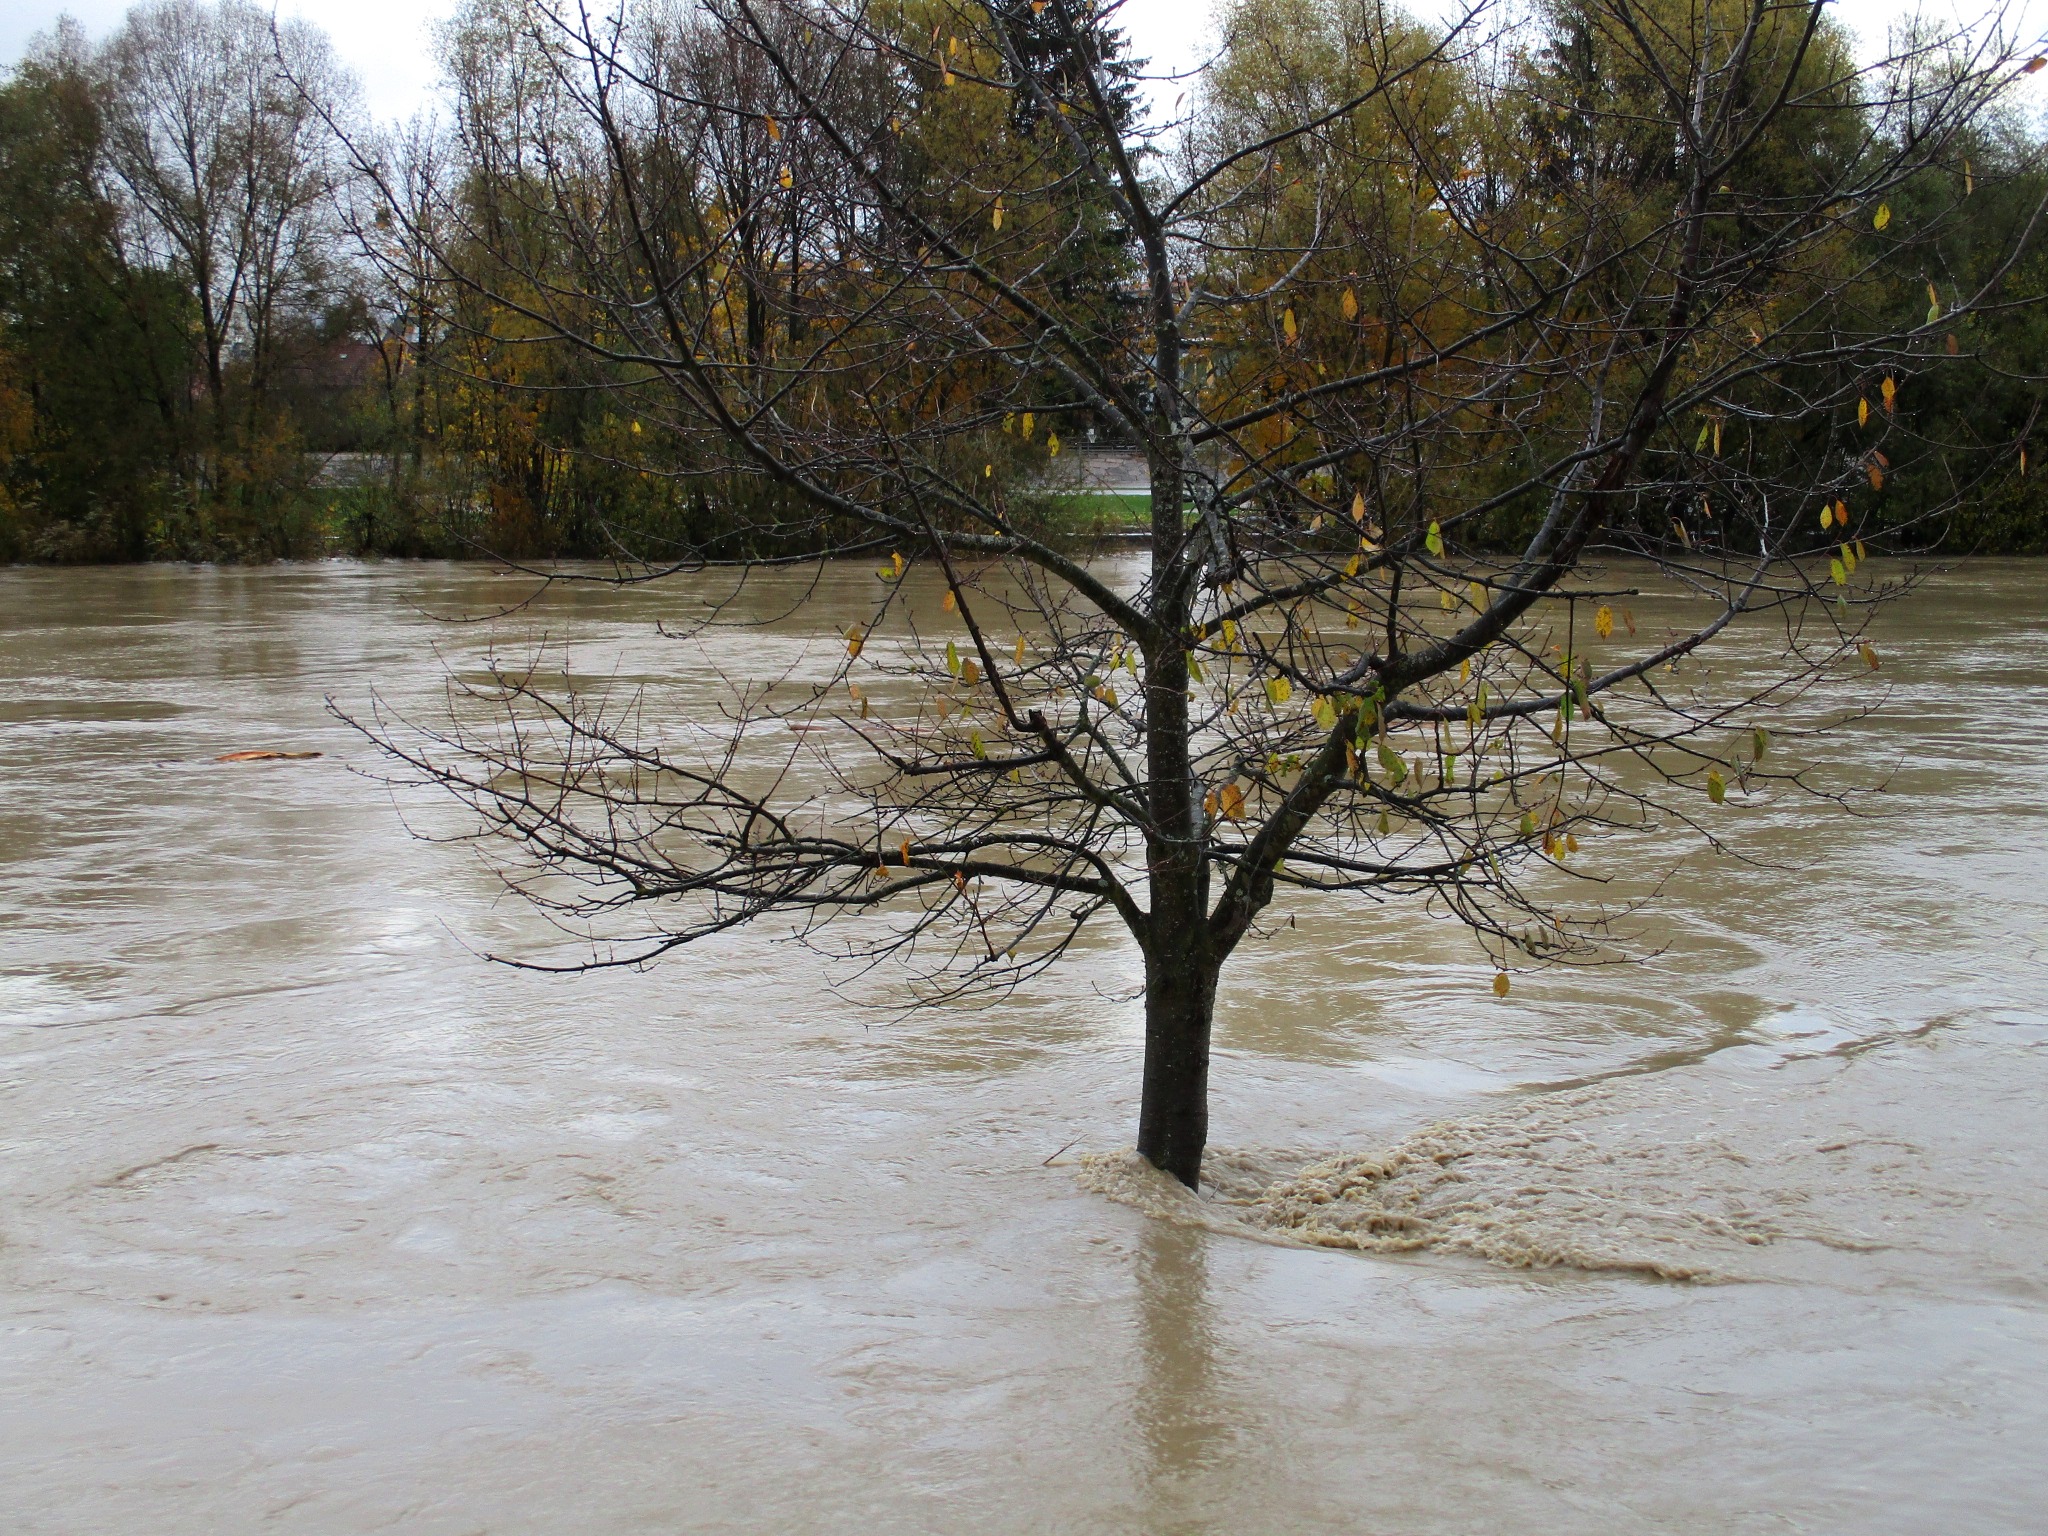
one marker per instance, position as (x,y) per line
(202,295)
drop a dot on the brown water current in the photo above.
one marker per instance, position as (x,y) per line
(311,1220)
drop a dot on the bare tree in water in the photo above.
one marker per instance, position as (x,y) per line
(1439,345)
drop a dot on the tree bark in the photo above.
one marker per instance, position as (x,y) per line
(1180,1008)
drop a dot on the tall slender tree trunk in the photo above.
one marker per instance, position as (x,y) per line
(1180,1009)
(1181,963)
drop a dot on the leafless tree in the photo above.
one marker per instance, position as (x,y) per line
(218,132)
(1439,343)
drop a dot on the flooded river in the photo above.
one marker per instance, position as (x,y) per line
(311,1220)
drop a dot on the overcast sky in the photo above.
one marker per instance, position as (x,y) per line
(389,43)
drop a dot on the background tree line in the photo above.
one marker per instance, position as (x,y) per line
(214,276)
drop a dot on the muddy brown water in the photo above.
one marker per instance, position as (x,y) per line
(312,1221)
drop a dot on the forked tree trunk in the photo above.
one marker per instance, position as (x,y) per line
(1180,1008)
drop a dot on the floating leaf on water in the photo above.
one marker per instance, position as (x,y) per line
(1603,621)
(262,756)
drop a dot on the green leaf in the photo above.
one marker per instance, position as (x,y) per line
(976,745)
(1434,541)
(952,658)
(1760,739)
(1835,571)
(1717,787)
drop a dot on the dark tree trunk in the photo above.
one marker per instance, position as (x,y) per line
(1181,959)
(1180,1007)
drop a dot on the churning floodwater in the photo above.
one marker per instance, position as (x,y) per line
(312,1220)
